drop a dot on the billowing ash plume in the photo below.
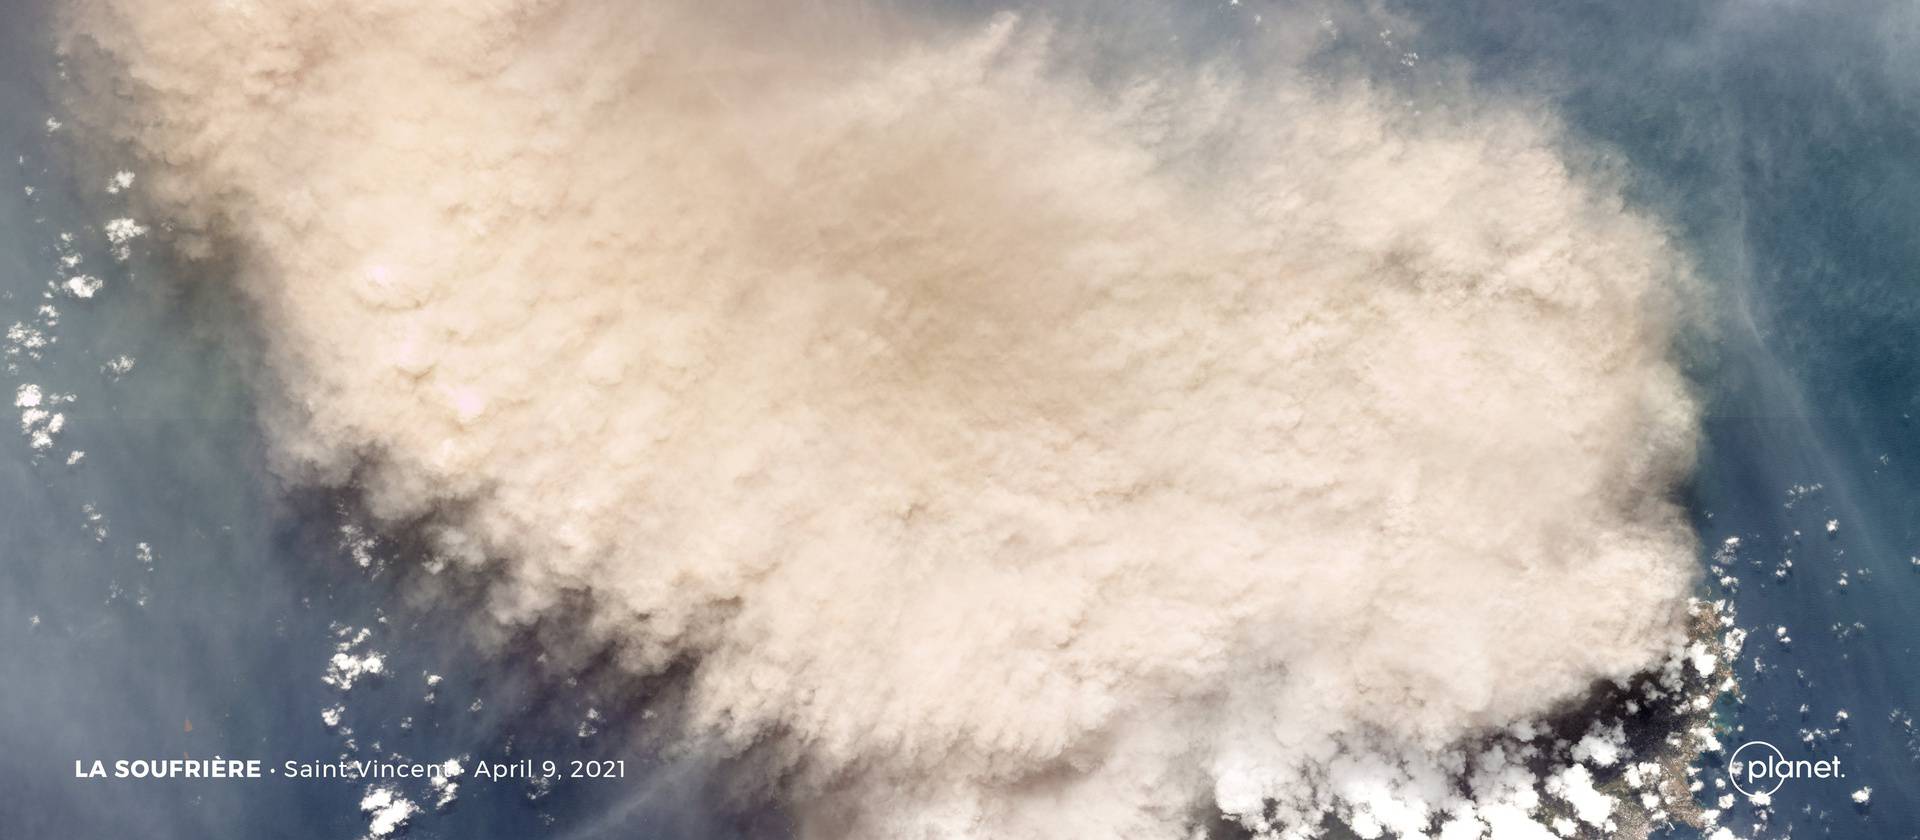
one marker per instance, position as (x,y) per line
(1019,450)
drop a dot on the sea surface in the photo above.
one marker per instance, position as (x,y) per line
(161,596)
(1783,140)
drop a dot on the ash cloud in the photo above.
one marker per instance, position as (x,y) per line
(1017,449)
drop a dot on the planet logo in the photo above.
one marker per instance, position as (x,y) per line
(1764,766)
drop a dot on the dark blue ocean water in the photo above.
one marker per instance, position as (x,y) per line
(163,598)
(1781,140)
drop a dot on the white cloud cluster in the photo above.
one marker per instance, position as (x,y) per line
(1018,454)
(387,810)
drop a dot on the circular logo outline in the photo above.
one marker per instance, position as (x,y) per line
(1735,777)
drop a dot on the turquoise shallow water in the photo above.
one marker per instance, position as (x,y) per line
(1779,139)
